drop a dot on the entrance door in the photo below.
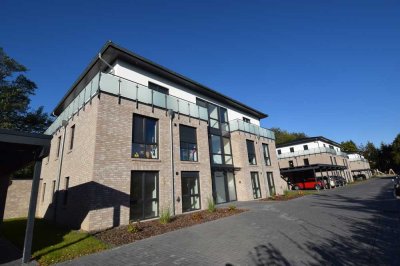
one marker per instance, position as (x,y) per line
(190,191)
(144,195)
(271,184)
(255,182)
(224,187)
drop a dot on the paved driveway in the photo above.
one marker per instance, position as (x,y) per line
(355,225)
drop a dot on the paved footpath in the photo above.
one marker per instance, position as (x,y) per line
(355,225)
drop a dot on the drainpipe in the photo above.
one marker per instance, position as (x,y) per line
(171,115)
(64,124)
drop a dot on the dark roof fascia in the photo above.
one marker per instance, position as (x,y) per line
(306,140)
(111,52)
(12,136)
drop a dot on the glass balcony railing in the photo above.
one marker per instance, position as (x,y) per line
(312,151)
(240,125)
(358,159)
(131,90)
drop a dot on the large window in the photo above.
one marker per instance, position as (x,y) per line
(190,191)
(255,182)
(267,158)
(221,150)
(188,143)
(144,195)
(334,160)
(71,141)
(213,114)
(251,152)
(306,161)
(271,183)
(331,159)
(145,137)
(58,146)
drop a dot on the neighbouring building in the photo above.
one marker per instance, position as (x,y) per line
(313,158)
(133,139)
(359,166)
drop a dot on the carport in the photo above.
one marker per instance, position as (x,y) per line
(18,149)
(312,170)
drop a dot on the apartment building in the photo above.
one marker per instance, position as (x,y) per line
(133,139)
(359,166)
(313,157)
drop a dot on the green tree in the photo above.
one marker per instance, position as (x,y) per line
(283,136)
(396,153)
(371,153)
(15,92)
(348,146)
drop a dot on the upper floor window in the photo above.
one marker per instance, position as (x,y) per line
(156,87)
(251,152)
(279,152)
(267,158)
(305,147)
(331,159)
(245,119)
(59,146)
(144,137)
(334,159)
(221,150)
(291,149)
(331,147)
(306,162)
(291,164)
(188,143)
(71,141)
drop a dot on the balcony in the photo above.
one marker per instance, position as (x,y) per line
(358,159)
(128,89)
(240,125)
(312,151)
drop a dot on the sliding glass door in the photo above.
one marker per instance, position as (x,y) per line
(144,195)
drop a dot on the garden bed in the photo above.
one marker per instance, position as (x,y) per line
(292,194)
(129,233)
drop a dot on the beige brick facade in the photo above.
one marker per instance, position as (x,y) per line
(17,201)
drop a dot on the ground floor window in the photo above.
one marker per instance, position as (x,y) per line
(271,184)
(190,191)
(144,195)
(255,182)
(224,188)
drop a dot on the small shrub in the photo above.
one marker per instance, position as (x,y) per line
(286,193)
(231,208)
(165,216)
(134,227)
(211,205)
(197,216)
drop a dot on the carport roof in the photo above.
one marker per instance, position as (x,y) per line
(17,149)
(317,167)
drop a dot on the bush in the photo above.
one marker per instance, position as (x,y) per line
(231,207)
(211,205)
(165,216)
(134,227)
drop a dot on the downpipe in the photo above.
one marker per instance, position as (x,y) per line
(171,115)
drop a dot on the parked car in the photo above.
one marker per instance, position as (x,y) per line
(396,186)
(306,183)
(329,182)
(359,177)
(339,181)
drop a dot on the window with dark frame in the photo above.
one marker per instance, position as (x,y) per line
(144,196)
(190,191)
(331,159)
(188,141)
(334,159)
(144,137)
(58,146)
(65,200)
(245,119)
(221,150)
(331,147)
(71,142)
(306,162)
(279,152)
(291,164)
(255,182)
(53,189)
(305,147)
(267,158)
(251,152)
(44,191)
(158,88)
(291,149)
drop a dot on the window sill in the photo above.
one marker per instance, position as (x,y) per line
(145,160)
(190,162)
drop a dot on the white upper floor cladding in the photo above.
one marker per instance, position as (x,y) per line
(307,146)
(143,77)
(355,156)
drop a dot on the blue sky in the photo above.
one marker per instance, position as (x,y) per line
(328,68)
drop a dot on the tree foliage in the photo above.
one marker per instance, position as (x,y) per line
(348,146)
(283,136)
(15,92)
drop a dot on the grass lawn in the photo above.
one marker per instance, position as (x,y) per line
(51,244)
